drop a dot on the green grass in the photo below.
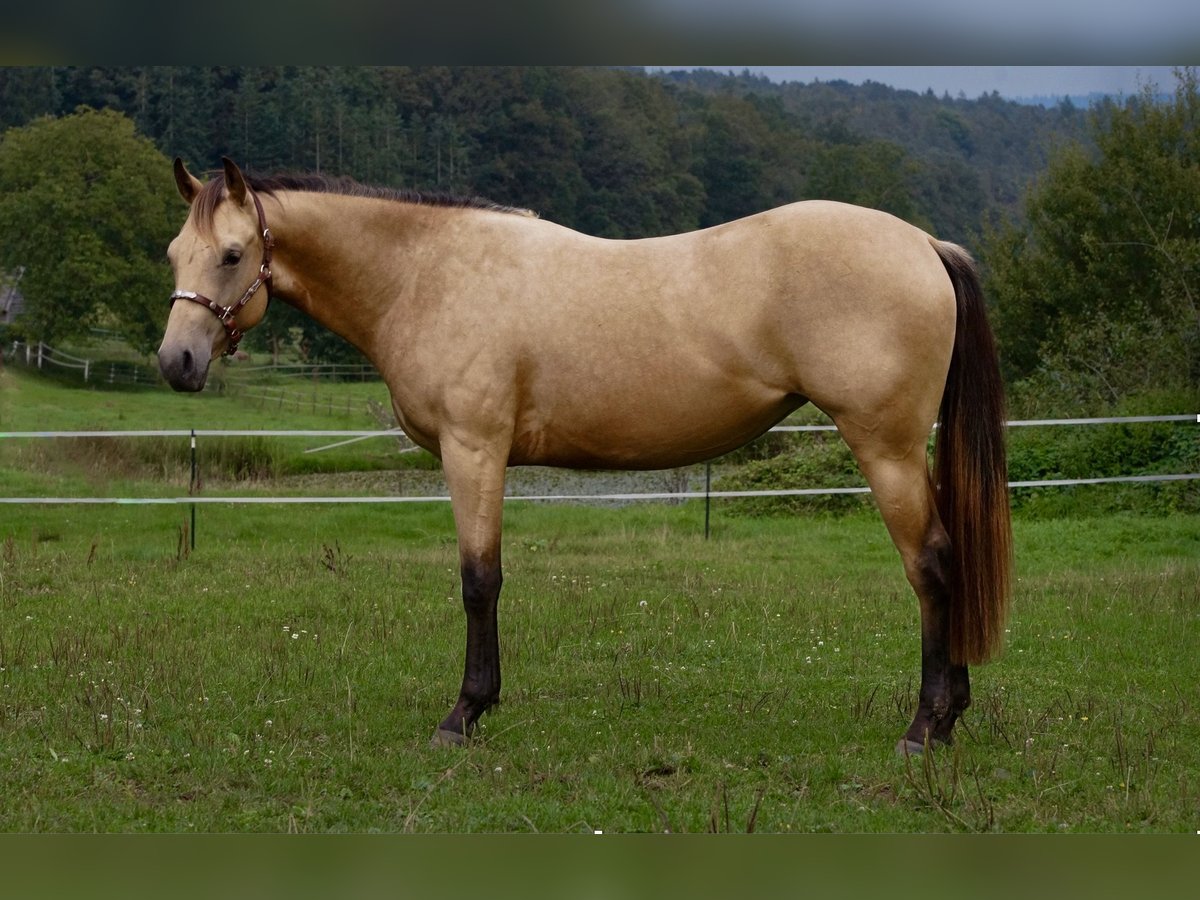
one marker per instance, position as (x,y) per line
(287,674)
(30,403)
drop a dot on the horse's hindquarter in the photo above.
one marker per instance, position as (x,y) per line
(871,316)
(665,351)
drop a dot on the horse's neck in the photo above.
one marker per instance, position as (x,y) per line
(341,259)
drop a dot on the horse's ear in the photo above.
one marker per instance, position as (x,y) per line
(189,186)
(234,182)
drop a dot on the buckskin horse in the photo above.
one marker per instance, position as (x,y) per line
(507,340)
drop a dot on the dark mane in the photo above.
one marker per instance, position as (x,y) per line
(211,194)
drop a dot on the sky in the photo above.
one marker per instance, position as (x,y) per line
(1009,81)
(1034,31)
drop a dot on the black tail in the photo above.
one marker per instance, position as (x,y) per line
(971,473)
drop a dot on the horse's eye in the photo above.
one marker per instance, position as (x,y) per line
(232,258)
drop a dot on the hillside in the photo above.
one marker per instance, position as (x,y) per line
(616,153)
(972,159)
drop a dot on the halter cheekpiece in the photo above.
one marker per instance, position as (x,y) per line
(227,314)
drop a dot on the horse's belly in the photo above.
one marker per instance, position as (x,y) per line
(648,436)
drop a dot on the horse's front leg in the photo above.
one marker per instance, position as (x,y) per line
(475,474)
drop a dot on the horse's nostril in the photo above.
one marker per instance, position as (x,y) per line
(189,364)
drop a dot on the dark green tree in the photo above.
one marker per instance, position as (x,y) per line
(1100,288)
(87,207)
(731,156)
(877,174)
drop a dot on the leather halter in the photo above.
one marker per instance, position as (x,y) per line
(227,314)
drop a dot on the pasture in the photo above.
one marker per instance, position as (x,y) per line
(288,673)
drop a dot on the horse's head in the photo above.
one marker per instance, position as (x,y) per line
(221,261)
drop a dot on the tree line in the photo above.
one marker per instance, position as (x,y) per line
(615,153)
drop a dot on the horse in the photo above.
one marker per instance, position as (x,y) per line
(507,340)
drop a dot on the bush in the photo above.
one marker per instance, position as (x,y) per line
(816,460)
(1099,451)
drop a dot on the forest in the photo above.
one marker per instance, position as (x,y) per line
(615,153)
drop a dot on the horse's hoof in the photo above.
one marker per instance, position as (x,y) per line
(909,747)
(444,738)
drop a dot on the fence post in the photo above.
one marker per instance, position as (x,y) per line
(87,363)
(40,346)
(192,489)
(707,498)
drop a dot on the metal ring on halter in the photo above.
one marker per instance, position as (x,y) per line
(227,314)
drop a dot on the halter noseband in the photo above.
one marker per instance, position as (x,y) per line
(227,314)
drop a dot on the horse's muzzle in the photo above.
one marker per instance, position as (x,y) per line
(183,368)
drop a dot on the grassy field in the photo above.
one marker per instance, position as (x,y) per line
(287,674)
(33,403)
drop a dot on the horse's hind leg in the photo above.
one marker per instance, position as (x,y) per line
(899,480)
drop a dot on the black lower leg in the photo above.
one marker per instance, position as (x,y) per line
(945,687)
(481,672)
(945,694)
